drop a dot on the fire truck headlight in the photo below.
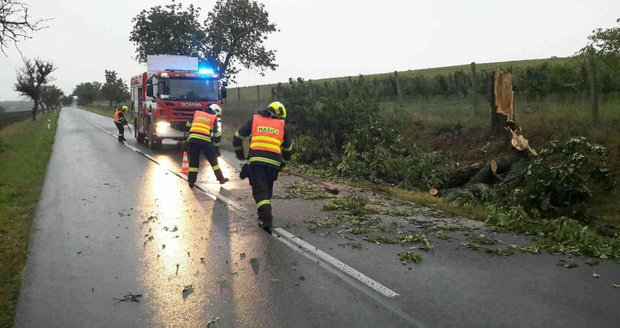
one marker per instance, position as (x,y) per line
(162,126)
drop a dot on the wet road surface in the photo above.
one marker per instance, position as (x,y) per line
(110,222)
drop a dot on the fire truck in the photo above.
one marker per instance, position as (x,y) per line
(165,97)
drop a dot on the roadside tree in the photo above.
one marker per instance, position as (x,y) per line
(114,90)
(236,31)
(169,30)
(50,97)
(601,56)
(66,100)
(87,92)
(231,37)
(15,23)
(31,78)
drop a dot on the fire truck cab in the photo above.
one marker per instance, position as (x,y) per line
(165,97)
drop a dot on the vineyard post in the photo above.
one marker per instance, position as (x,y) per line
(399,90)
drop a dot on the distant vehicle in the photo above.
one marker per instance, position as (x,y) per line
(165,97)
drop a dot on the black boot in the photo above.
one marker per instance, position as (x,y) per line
(191,178)
(264,218)
(220,176)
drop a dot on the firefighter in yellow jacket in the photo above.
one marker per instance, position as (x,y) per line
(120,122)
(270,148)
(204,137)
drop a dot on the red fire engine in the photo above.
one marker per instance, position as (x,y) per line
(165,97)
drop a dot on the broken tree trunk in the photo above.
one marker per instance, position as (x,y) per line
(501,103)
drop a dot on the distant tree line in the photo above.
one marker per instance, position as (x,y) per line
(114,90)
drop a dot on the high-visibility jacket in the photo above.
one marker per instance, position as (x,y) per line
(119,117)
(269,142)
(203,126)
(267,134)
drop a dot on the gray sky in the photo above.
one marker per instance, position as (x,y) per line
(323,38)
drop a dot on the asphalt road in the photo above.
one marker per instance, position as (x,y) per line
(112,222)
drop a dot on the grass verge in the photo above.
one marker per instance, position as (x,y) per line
(25,150)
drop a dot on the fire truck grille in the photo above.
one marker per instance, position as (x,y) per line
(183,112)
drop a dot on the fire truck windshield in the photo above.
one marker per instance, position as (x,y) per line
(189,89)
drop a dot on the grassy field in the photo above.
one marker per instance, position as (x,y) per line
(25,149)
(12,117)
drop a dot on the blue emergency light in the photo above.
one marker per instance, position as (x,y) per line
(206,71)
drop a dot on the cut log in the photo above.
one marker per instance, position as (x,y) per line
(462,175)
(503,164)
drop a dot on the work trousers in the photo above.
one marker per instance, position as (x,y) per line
(262,178)
(196,147)
(121,131)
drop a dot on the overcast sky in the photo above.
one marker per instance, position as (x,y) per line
(325,38)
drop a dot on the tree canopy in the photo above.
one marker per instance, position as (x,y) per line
(114,90)
(603,42)
(169,30)
(51,96)
(231,37)
(87,92)
(16,24)
(31,78)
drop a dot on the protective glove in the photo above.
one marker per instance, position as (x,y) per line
(245,171)
(239,154)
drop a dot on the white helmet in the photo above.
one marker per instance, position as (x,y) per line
(216,109)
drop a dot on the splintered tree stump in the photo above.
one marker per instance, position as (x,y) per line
(502,101)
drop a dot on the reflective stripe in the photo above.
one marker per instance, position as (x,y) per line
(218,134)
(215,168)
(259,145)
(264,160)
(188,124)
(204,131)
(288,149)
(263,202)
(201,125)
(268,139)
(199,136)
(267,134)
(193,169)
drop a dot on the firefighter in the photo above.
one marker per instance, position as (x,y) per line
(270,148)
(120,122)
(218,112)
(204,137)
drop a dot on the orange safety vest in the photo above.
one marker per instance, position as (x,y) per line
(202,124)
(117,114)
(267,134)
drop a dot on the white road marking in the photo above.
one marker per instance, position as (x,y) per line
(288,238)
(336,263)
